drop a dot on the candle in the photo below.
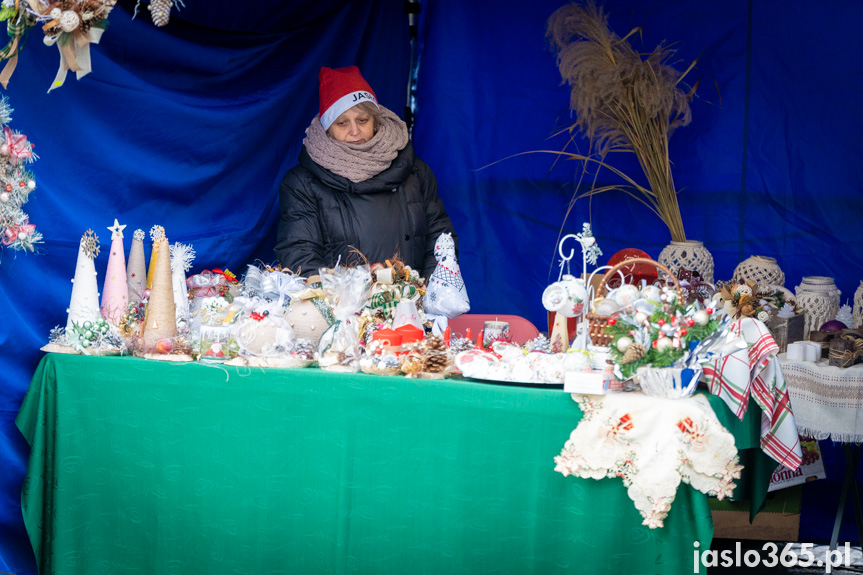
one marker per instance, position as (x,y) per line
(495,331)
(467,334)
(447,335)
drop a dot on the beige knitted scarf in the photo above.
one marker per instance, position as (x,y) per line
(358,162)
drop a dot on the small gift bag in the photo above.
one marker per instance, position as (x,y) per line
(446,294)
(347,289)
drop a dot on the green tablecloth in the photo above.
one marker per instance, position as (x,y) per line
(147,467)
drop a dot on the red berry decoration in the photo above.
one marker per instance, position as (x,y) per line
(709,311)
(612,320)
(683,331)
(21,184)
(660,321)
(8,187)
(654,343)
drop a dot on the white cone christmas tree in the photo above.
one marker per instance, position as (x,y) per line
(115,292)
(182,256)
(160,323)
(84,304)
(136,269)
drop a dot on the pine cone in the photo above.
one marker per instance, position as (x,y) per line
(539,343)
(459,344)
(160,10)
(633,353)
(434,355)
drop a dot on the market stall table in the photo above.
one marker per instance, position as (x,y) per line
(828,403)
(148,467)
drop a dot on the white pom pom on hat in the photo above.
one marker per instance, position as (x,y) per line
(340,90)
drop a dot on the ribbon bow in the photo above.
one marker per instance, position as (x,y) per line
(13,232)
(227,274)
(205,284)
(16,146)
(16,27)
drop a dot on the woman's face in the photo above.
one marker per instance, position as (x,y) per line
(353,127)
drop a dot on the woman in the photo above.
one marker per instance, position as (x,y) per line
(359,187)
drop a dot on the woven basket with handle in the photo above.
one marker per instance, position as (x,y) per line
(597,323)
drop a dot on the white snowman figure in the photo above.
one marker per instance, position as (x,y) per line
(446,294)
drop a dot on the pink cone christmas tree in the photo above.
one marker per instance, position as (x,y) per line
(115,292)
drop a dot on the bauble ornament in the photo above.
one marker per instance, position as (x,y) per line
(69,21)
(623,343)
(662,344)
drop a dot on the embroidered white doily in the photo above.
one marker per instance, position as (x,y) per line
(652,444)
(827,400)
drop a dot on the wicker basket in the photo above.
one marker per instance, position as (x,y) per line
(597,323)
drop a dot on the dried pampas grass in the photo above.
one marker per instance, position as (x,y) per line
(623,101)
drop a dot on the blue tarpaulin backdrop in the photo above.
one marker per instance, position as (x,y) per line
(191,127)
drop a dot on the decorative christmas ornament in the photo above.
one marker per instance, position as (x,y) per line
(74,25)
(136,268)
(84,303)
(160,10)
(20,17)
(160,322)
(16,231)
(446,296)
(434,355)
(539,343)
(115,291)
(846,315)
(156,234)
(182,256)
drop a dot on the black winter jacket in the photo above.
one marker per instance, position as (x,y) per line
(324,216)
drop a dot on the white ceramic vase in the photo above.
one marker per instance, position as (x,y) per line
(819,298)
(690,255)
(761,269)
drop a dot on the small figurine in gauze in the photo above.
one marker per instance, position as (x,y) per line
(446,294)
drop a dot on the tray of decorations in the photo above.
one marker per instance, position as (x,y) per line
(533,363)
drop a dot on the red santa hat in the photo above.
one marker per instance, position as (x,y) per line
(340,90)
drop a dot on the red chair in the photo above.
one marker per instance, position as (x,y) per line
(520,329)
